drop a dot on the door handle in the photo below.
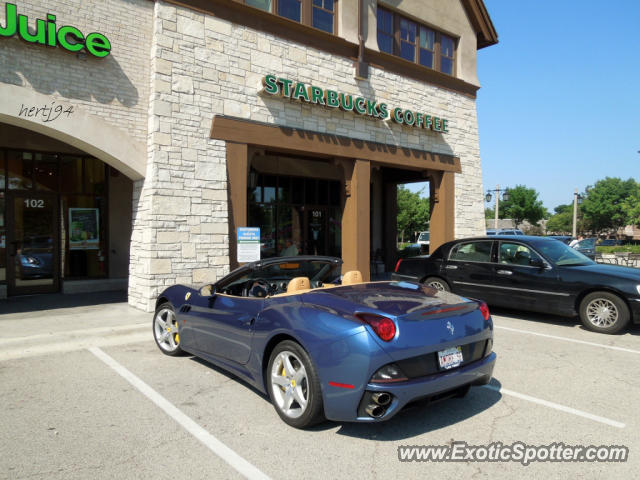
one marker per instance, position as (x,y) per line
(451,267)
(504,272)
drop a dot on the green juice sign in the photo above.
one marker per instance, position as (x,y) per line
(273,85)
(48,33)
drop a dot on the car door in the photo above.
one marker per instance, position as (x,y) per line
(521,282)
(223,323)
(469,269)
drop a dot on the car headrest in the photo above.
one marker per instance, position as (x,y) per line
(351,277)
(297,284)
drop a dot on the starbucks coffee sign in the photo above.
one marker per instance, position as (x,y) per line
(273,85)
(46,32)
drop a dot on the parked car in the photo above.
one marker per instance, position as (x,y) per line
(504,231)
(353,351)
(532,273)
(609,242)
(563,238)
(587,247)
(423,239)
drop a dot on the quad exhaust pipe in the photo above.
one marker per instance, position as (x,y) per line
(374,410)
(378,405)
(381,398)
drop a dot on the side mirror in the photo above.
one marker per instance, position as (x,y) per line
(537,262)
(208,291)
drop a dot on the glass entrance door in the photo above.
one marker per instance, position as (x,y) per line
(316,232)
(32,245)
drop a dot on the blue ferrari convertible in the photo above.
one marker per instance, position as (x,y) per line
(322,345)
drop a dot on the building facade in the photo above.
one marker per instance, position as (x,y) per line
(136,136)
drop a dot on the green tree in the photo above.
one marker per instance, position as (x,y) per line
(489,213)
(562,220)
(607,204)
(632,207)
(413,212)
(523,204)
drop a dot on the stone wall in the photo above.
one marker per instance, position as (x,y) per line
(202,66)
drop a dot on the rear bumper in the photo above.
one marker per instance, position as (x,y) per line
(476,373)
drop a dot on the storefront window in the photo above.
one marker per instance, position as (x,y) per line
(84,241)
(2,170)
(264,216)
(20,169)
(297,215)
(269,192)
(3,241)
(71,181)
(46,172)
(94,177)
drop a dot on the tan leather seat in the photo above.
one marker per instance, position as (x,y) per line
(298,284)
(352,277)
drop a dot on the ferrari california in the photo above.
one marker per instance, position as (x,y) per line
(329,346)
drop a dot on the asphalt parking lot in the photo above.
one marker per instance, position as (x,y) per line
(86,393)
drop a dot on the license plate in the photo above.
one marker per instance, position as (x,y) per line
(450,358)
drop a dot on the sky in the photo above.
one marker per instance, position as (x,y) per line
(559,106)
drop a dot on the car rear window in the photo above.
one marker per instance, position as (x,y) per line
(472,252)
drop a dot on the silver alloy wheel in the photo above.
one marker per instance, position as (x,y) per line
(289,384)
(165,328)
(602,312)
(437,285)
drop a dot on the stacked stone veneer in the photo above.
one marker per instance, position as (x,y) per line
(115,88)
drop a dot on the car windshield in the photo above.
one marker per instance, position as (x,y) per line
(563,255)
(424,236)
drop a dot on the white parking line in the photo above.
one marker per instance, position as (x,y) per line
(567,339)
(74,333)
(212,443)
(557,406)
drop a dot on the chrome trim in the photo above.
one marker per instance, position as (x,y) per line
(517,289)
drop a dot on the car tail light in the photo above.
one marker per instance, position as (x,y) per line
(485,311)
(389,374)
(398,265)
(383,326)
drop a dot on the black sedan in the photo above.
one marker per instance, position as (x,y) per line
(532,273)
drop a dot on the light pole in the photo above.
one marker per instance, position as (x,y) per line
(505,197)
(577,199)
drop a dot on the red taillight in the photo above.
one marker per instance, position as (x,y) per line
(383,326)
(398,265)
(485,311)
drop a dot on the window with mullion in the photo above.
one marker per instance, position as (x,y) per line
(266,5)
(427,51)
(408,39)
(291,9)
(447,49)
(385,30)
(320,14)
(415,42)
(323,15)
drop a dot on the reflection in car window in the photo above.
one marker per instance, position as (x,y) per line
(472,252)
(586,243)
(562,254)
(516,254)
